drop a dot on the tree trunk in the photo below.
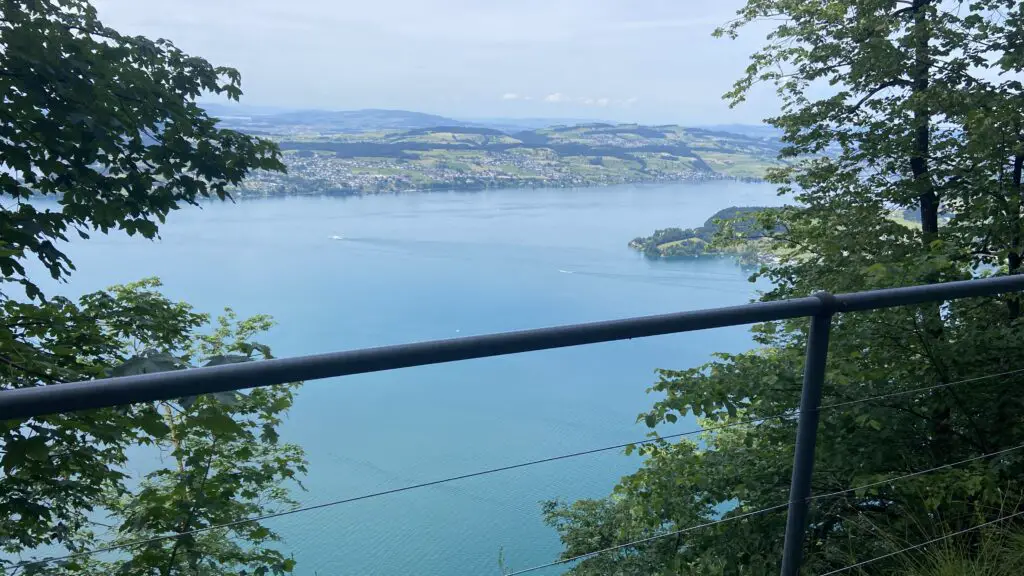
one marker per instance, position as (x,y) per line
(1013,257)
(920,73)
(928,198)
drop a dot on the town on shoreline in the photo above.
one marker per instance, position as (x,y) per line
(326,156)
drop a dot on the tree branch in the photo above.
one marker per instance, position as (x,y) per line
(884,85)
(192,508)
(29,371)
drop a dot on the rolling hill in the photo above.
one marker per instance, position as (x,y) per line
(454,156)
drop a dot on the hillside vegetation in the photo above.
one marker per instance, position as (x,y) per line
(688,243)
(916,462)
(474,157)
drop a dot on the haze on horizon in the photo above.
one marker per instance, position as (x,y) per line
(649,62)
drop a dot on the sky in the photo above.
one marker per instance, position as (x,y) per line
(650,61)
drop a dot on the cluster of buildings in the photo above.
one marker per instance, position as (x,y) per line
(616,140)
(324,173)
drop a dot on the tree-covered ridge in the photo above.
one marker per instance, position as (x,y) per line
(924,114)
(738,222)
(471,157)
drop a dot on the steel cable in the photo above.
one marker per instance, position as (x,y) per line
(740,422)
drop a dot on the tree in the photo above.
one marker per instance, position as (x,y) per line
(108,125)
(227,461)
(887,104)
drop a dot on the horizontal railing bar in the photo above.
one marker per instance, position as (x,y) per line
(892,297)
(57,398)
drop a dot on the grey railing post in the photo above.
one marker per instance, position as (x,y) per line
(806,436)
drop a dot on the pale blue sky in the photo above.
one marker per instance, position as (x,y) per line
(625,60)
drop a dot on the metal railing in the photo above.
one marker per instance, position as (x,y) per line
(821,307)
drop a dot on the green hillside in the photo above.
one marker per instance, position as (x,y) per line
(689,243)
(470,157)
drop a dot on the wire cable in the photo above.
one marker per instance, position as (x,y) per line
(756,513)
(700,430)
(154,539)
(924,389)
(650,539)
(923,544)
(913,474)
(144,541)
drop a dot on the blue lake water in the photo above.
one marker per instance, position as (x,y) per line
(440,265)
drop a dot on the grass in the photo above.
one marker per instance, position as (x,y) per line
(738,165)
(668,245)
(995,552)
(668,163)
(982,545)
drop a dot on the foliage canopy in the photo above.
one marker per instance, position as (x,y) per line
(107,126)
(887,104)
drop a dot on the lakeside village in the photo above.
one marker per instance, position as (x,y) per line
(323,173)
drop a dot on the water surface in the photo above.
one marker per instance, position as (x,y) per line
(439,265)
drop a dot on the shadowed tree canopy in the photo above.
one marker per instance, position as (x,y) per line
(886,105)
(109,126)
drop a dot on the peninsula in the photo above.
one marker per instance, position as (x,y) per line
(691,243)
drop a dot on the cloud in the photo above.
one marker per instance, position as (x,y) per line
(515,96)
(601,102)
(465,55)
(710,22)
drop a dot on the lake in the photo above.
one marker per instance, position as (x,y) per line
(440,265)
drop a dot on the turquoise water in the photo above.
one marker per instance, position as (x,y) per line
(414,267)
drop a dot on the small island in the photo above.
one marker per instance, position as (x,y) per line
(692,243)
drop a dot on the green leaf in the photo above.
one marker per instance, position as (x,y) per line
(147,364)
(219,424)
(36,449)
(155,426)
(227,398)
(14,456)
(222,359)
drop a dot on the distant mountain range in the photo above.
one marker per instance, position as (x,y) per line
(325,121)
(752,130)
(259,120)
(521,124)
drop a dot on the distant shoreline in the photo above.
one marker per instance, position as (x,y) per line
(751,247)
(350,192)
(320,161)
